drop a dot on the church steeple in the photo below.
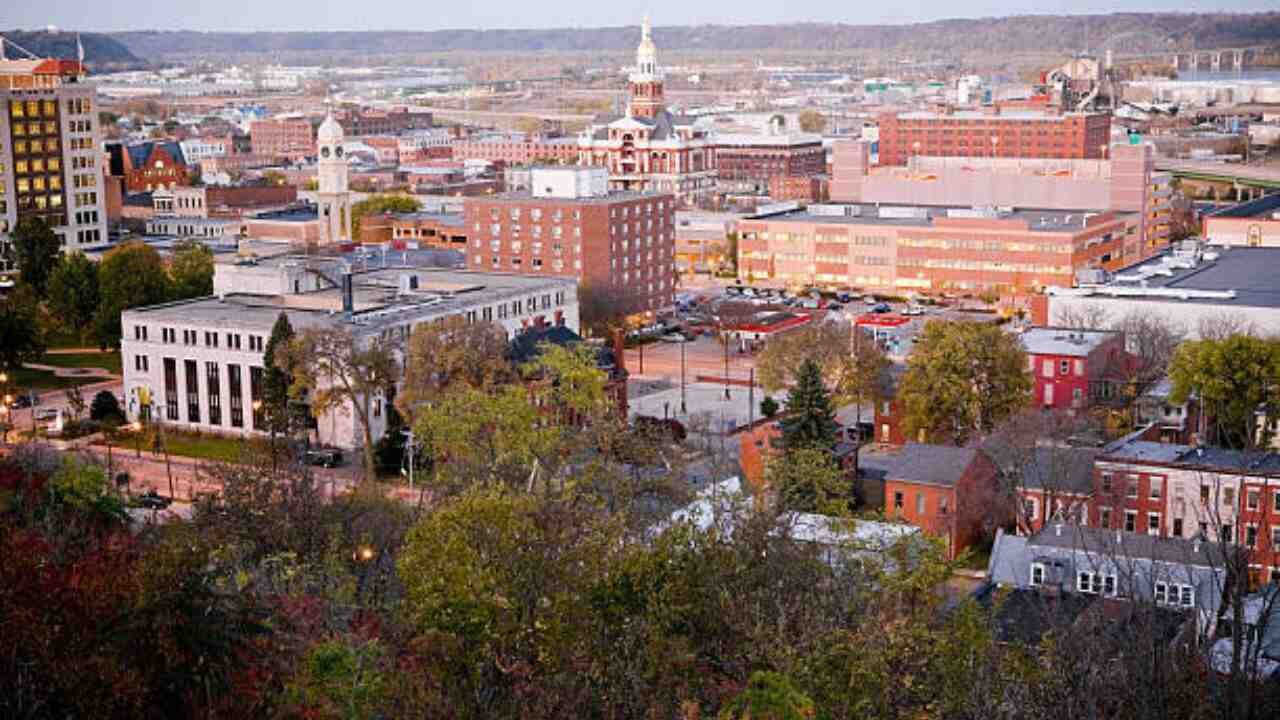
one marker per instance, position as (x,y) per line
(646,78)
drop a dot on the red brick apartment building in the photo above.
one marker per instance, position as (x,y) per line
(1024,134)
(570,224)
(356,123)
(1075,368)
(282,138)
(517,149)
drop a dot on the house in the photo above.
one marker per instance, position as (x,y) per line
(1187,575)
(1074,369)
(1174,422)
(1056,484)
(527,345)
(947,491)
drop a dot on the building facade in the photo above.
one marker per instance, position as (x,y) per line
(149,166)
(571,224)
(751,161)
(371,121)
(290,138)
(1023,134)
(650,149)
(1073,369)
(50,161)
(928,249)
(516,149)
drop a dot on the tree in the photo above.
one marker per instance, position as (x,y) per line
(131,275)
(34,247)
(21,337)
(855,369)
(962,379)
(810,420)
(342,372)
(192,270)
(769,407)
(812,121)
(1236,378)
(278,413)
(602,308)
(379,204)
(73,295)
(769,696)
(105,408)
(448,352)
(807,479)
(75,401)
(1152,342)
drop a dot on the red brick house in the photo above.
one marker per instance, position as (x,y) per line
(1074,369)
(947,491)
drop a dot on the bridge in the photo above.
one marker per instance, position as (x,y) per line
(1247,180)
(1144,45)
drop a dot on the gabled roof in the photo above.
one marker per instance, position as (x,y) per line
(942,465)
(140,154)
(1060,469)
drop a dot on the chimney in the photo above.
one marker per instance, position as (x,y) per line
(348,302)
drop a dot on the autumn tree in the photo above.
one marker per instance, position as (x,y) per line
(73,295)
(340,371)
(34,247)
(812,121)
(192,270)
(453,350)
(808,479)
(131,275)
(1237,379)
(963,379)
(602,308)
(855,369)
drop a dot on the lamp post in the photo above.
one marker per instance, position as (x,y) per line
(137,437)
(683,409)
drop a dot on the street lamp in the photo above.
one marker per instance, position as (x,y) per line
(136,427)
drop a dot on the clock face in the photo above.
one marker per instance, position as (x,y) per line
(338,151)
(324,152)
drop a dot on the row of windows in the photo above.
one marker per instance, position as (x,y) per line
(36,147)
(1099,583)
(33,108)
(192,337)
(39,183)
(37,165)
(48,127)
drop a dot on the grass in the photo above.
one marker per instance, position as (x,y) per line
(27,379)
(109,360)
(217,448)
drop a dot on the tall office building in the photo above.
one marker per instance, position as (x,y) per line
(50,164)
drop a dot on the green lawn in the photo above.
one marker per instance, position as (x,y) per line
(204,447)
(40,380)
(109,360)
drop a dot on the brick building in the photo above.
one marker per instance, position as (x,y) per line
(370,121)
(570,224)
(750,161)
(1074,369)
(282,137)
(800,188)
(423,229)
(929,249)
(944,490)
(149,165)
(517,149)
(1024,134)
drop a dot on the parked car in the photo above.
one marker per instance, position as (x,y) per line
(25,400)
(881,308)
(913,310)
(325,457)
(152,500)
(674,337)
(844,297)
(870,300)
(46,414)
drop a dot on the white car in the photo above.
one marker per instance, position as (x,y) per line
(913,310)
(46,414)
(870,300)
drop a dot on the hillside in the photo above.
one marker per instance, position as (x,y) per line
(1028,33)
(101,52)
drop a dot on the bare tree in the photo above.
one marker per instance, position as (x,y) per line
(1083,317)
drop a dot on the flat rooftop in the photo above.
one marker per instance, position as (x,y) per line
(1264,207)
(298,213)
(1032,115)
(1247,274)
(1063,341)
(611,197)
(926,215)
(379,301)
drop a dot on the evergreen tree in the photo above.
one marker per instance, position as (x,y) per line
(35,250)
(276,379)
(810,421)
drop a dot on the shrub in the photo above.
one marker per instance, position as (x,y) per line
(106,408)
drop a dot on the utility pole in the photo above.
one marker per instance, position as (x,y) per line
(726,366)
(409,446)
(684,410)
(751,399)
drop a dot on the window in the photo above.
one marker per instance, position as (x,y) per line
(1104,517)
(1130,521)
(1177,527)
(1153,523)
(1094,583)
(1106,482)
(1186,595)
(193,391)
(1131,487)
(171,389)
(1048,368)
(1064,367)
(1037,574)
(1204,494)
(1275,501)
(1160,593)
(1155,488)
(255,395)
(919,503)
(897,500)
(236,394)
(1252,499)
(214,390)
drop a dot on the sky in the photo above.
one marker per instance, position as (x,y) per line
(264,15)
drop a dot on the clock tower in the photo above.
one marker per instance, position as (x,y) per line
(646,79)
(333,199)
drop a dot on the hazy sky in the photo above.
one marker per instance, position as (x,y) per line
(104,15)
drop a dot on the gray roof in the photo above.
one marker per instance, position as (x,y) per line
(1246,462)
(1038,220)
(1063,341)
(1063,469)
(918,463)
(1250,271)
(1131,545)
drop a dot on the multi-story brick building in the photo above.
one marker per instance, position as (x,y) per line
(50,161)
(650,148)
(372,121)
(749,161)
(282,137)
(423,229)
(1023,134)
(1074,369)
(149,165)
(570,224)
(929,249)
(517,149)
